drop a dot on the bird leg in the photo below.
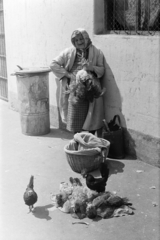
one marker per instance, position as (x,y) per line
(31,208)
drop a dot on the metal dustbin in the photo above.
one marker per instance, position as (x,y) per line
(33,96)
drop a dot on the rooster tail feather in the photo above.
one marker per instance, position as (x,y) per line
(30,185)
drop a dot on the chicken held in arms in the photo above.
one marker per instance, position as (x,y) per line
(30,196)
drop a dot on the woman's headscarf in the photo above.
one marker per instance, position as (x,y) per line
(84,34)
(86,37)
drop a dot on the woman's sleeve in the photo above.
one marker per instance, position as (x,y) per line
(58,65)
(99,67)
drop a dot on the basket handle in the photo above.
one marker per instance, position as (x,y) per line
(103,153)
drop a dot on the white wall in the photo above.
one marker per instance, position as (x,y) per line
(133,80)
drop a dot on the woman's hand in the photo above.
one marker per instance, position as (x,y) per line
(67,74)
(71,76)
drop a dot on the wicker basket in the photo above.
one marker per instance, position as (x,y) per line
(79,162)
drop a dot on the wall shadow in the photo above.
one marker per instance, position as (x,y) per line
(113,106)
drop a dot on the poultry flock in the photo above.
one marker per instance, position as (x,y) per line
(91,200)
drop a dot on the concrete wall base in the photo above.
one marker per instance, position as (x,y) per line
(143,147)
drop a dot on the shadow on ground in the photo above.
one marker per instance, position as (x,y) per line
(42,212)
(115,166)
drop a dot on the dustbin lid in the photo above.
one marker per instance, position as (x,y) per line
(32,71)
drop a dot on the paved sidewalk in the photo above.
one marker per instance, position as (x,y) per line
(44,157)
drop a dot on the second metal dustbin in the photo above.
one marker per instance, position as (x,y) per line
(33,95)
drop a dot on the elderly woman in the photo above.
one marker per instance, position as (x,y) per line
(86,116)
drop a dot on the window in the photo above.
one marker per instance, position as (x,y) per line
(132,17)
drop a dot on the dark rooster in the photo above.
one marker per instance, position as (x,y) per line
(97,184)
(30,196)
